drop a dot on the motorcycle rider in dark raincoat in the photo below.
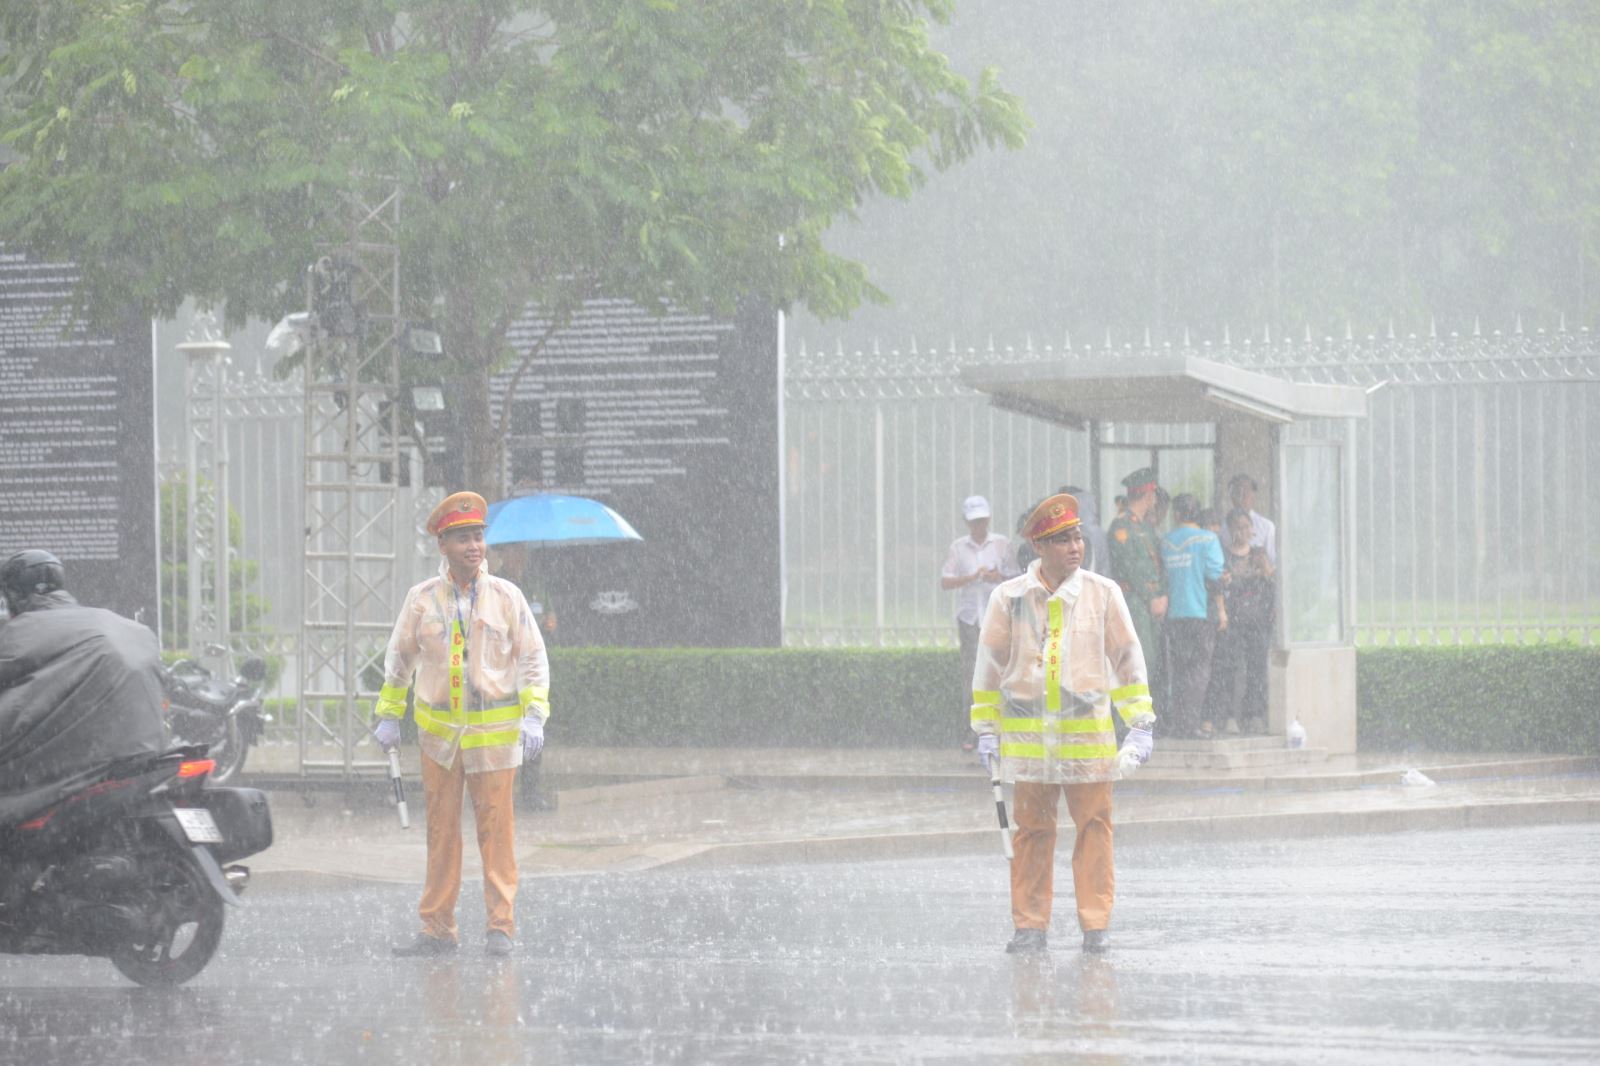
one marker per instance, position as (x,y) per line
(79,686)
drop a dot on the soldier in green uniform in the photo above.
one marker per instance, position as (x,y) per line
(1136,566)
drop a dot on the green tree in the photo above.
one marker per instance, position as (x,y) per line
(546,152)
(247,608)
(1262,162)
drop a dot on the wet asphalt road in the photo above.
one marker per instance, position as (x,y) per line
(1425,947)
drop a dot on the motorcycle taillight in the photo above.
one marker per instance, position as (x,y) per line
(196,768)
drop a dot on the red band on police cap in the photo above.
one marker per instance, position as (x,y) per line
(1054,520)
(460,518)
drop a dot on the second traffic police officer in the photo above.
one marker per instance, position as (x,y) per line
(482,697)
(1052,641)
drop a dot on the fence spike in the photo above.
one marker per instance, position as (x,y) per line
(1147,336)
(1349,332)
(1561,323)
(1308,333)
(914,345)
(1519,321)
(991,344)
(1266,334)
(1187,343)
(1227,336)
(1391,329)
(1066,340)
(1477,328)
(1027,344)
(1433,328)
(877,353)
(1108,338)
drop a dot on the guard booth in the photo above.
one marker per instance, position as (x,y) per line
(1198,423)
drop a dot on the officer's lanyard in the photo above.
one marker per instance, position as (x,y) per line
(459,652)
(1052,635)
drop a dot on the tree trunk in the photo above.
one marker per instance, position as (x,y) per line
(482,447)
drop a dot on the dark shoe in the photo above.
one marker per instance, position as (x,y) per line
(1028,942)
(426,947)
(1095,941)
(496,944)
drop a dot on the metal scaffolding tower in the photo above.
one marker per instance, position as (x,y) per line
(353,529)
(208,625)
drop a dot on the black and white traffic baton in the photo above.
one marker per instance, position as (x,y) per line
(1000,805)
(399,788)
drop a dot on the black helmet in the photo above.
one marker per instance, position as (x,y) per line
(27,574)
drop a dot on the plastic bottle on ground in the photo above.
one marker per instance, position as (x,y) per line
(1297,734)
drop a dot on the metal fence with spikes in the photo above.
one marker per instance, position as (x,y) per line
(1476,516)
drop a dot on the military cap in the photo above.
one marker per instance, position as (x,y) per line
(1141,481)
(1053,514)
(459,510)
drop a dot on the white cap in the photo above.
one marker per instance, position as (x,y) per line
(974,507)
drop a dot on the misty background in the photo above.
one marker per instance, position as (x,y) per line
(1252,164)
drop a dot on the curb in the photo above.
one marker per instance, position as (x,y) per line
(1212,830)
(1221,829)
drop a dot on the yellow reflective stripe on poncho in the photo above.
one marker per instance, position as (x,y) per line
(535,696)
(1017,750)
(442,723)
(490,740)
(391,702)
(492,715)
(985,705)
(439,725)
(1060,725)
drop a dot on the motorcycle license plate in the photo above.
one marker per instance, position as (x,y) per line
(198,825)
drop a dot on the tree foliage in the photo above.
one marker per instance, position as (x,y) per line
(1264,162)
(546,152)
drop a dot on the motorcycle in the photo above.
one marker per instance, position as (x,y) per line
(225,717)
(137,864)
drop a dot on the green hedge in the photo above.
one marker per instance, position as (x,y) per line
(1541,698)
(1526,698)
(755,697)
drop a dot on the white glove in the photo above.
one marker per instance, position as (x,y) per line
(1136,749)
(989,750)
(532,735)
(387,733)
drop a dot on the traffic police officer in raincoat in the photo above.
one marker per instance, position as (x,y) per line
(482,697)
(1056,652)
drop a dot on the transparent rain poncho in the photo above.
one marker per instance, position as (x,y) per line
(470,696)
(1050,667)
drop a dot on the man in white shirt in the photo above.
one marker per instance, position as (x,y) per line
(1263,534)
(975,564)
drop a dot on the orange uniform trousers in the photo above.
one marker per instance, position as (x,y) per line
(1033,869)
(493,794)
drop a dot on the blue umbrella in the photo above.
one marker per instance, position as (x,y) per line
(551,521)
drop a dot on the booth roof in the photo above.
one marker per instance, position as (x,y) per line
(1156,388)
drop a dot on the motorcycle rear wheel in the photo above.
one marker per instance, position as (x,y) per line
(185,917)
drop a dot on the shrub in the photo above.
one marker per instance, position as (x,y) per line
(754,697)
(1539,698)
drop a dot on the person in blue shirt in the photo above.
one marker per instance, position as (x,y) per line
(1192,559)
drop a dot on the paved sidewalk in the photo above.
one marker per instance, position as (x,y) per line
(636,809)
